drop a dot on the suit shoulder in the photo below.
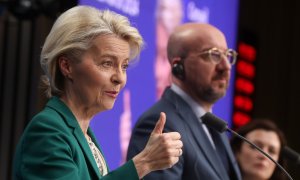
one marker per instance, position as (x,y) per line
(48,117)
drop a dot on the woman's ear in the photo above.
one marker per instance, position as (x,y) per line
(65,67)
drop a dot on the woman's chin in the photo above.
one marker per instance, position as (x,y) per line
(108,106)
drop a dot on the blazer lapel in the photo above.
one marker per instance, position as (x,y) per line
(86,151)
(188,116)
(71,121)
(232,159)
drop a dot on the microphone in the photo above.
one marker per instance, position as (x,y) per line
(221,126)
(291,155)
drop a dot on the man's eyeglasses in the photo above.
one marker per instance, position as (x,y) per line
(216,55)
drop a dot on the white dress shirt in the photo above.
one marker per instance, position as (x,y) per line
(197,109)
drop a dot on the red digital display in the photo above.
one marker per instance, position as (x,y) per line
(244,84)
(247,52)
(245,69)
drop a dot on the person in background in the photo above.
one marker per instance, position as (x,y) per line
(253,164)
(125,125)
(169,14)
(201,62)
(85,58)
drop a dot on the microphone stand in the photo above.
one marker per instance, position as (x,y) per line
(221,126)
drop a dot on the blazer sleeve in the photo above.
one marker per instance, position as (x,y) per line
(126,172)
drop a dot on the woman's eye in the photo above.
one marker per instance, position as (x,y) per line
(107,64)
(252,147)
(272,151)
(125,67)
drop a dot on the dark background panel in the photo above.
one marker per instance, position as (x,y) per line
(276,25)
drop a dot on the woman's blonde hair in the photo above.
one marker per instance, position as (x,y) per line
(73,33)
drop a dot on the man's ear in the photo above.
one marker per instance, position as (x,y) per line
(175,60)
(65,66)
(178,68)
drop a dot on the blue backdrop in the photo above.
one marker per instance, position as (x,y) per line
(112,128)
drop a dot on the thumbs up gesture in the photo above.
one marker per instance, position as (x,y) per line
(162,150)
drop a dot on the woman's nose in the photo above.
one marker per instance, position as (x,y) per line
(119,76)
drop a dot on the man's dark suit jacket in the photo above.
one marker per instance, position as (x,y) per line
(199,159)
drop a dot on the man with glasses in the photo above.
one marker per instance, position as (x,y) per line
(201,65)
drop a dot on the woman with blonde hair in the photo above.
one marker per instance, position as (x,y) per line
(85,58)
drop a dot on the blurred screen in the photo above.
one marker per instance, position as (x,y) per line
(150,75)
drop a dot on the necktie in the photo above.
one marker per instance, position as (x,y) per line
(220,149)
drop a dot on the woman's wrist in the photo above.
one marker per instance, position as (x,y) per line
(141,165)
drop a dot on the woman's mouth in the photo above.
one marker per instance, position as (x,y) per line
(112,94)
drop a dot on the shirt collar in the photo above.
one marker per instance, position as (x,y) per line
(197,108)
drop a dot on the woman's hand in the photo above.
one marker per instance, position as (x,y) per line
(162,150)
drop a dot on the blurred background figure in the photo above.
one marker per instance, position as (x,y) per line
(125,125)
(169,14)
(253,164)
